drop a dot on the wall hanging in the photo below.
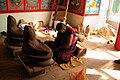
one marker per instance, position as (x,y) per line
(10,6)
(85,7)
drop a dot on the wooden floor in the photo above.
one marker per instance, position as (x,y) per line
(98,60)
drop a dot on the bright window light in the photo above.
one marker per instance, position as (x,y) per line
(115,11)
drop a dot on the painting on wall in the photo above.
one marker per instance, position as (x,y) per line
(46,4)
(77,6)
(3,5)
(31,4)
(15,4)
(92,7)
(7,6)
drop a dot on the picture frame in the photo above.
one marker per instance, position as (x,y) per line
(92,7)
(17,5)
(32,5)
(46,5)
(77,7)
(3,6)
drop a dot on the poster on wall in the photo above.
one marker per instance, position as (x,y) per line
(92,7)
(16,5)
(3,5)
(32,4)
(77,6)
(46,4)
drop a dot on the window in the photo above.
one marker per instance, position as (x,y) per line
(104,9)
(115,10)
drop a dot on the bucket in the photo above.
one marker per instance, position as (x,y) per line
(117,42)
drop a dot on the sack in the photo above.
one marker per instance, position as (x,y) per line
(81,75)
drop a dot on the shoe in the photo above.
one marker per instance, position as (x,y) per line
(117,61)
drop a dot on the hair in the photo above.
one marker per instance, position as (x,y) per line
(60,26)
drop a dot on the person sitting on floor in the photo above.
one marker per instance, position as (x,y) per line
(64,45)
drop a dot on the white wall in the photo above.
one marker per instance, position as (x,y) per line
(91,21)
(27,16)
(74,20)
